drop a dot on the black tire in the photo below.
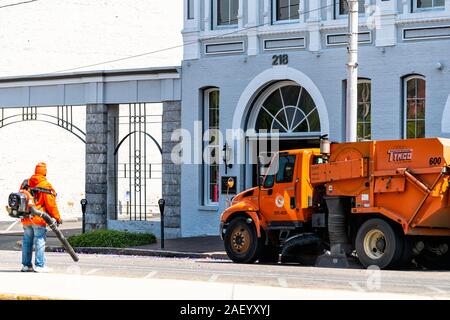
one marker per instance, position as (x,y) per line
(432,261)
(241,241)
(378,243)
(304,250)
(406,258)
(307,256)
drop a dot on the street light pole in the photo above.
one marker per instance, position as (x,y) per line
(352,72)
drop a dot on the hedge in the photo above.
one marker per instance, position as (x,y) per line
(111,239)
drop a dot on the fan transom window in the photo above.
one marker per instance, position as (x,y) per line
(286,108)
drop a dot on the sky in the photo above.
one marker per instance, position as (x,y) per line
(53,35)
(47,36)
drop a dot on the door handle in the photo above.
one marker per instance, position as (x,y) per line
(294,200)
(269,192)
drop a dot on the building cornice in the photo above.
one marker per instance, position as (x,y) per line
(406,20)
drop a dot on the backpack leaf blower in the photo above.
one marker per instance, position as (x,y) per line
(21,205)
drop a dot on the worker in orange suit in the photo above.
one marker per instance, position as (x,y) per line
(35,229)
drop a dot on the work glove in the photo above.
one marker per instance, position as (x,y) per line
(57,222)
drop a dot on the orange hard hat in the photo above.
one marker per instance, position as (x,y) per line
(41,168)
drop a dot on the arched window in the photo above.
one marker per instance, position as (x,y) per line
(414,106)
(212,145)
(287,108)
(364,112)
(364,120)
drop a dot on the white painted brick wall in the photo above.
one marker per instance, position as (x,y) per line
(52,35)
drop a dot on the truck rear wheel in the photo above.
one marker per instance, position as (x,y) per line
(241,241)
(378,244)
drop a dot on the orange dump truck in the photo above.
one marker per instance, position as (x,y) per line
(384,202)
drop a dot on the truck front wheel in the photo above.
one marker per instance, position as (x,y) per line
(378,244)
(241,241)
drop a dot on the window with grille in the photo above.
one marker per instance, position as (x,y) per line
(285,10)
(211,134)
(225,12)
(420,5)
(414,93)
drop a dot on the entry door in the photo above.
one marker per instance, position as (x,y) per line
(278,194)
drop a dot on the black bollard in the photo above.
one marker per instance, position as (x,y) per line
(162,204)
(83,203)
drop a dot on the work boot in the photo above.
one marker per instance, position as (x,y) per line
(43,269)
(27,269)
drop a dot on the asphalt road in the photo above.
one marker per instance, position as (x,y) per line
(11,233)
(429,284)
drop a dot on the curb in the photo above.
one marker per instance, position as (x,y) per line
(143,252)
(21,297)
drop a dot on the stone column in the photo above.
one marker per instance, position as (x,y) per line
(98,147)
(96,159)
(171,173)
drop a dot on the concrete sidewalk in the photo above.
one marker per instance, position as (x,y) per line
(196,247)
(82,287)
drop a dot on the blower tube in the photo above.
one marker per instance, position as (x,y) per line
(51,223)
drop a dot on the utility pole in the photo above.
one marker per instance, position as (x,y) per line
(352,72)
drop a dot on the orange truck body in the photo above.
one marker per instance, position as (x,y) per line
(400,179)
(358,195)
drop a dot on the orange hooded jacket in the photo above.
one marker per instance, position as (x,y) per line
(44,201)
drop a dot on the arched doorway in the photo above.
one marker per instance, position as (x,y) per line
(283,116)
(55,135)
(138,162)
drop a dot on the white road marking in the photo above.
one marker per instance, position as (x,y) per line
(11,226)
(436,289)
(213,278)
(151,275)
(282,282)
(356,286)
(92,271)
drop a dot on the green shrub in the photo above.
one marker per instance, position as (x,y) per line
(111,239)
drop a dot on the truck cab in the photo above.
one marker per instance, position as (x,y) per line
(286,192)
(387,202)
(281,203)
